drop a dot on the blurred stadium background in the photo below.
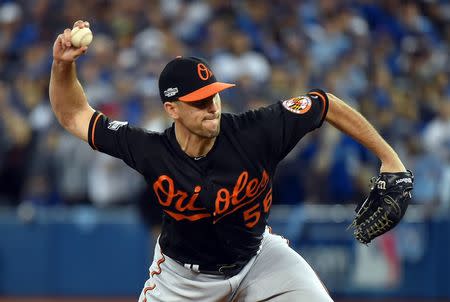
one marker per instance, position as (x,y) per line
(75,223)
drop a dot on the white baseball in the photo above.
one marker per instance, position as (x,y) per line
(81,36)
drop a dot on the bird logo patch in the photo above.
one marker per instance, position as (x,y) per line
(298,105)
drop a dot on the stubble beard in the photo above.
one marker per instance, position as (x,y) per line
(207,133)
(211,133)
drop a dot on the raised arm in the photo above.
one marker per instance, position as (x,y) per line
(351,122)
(390,192)
(67,97)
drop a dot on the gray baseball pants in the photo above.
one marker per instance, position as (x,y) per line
(276,274)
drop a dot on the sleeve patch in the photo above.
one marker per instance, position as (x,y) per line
(115,125)
(298,105)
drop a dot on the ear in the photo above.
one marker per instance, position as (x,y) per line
(171,109)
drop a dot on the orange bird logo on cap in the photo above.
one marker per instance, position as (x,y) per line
(203,72)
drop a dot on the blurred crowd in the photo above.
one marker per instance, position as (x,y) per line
(389,59)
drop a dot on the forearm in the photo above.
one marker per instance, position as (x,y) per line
(67,98)
(351,122)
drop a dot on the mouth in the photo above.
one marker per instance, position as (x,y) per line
(211,118)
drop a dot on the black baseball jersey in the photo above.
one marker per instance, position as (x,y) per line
(215,208)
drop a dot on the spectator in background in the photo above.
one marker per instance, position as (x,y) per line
(428,174)
(72,165)
(391,55)
(41,185)
(16,139)
(99,88)
(111,183)
(242,65)
(437,141)
(437,133)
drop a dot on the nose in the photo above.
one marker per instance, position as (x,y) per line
(213,106)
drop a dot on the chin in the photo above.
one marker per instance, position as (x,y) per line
(212,133)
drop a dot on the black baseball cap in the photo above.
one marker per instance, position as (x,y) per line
(188,79)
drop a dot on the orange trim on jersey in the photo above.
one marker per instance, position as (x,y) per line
(156,272)
(205,92)
(93,131)
(324,101)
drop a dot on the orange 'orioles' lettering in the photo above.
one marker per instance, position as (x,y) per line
(252,188)
(239,187)
(169,193)
(179,205)
(222,201)
(190,204)
(244,192)
(164,189)
(179,216)
(267,201)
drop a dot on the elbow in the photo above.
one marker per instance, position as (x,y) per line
(66,120)
(63,117)
(66,117)
(76,123)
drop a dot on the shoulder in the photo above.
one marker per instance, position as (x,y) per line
(137,134)
(253,116)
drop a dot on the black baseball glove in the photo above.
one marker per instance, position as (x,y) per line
(385,206)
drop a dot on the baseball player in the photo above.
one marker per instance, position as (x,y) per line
(211,172)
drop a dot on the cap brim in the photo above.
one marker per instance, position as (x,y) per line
(205,92)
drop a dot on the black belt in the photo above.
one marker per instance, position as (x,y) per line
(228,270)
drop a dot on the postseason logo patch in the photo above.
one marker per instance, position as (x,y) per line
(298,105)
(114,125)
(170,92)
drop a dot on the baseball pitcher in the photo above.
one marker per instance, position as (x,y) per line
(212,172)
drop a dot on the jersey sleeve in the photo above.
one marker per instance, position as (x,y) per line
(302,114)
(297,117)
(277,128)
(120,140)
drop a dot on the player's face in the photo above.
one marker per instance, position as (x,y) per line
(201,118)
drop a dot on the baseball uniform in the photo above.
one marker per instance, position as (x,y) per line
(215,245)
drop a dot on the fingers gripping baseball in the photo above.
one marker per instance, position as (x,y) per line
(384,207)
(68,46)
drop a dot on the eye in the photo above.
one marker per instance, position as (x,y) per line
(199,104)
(202,103)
